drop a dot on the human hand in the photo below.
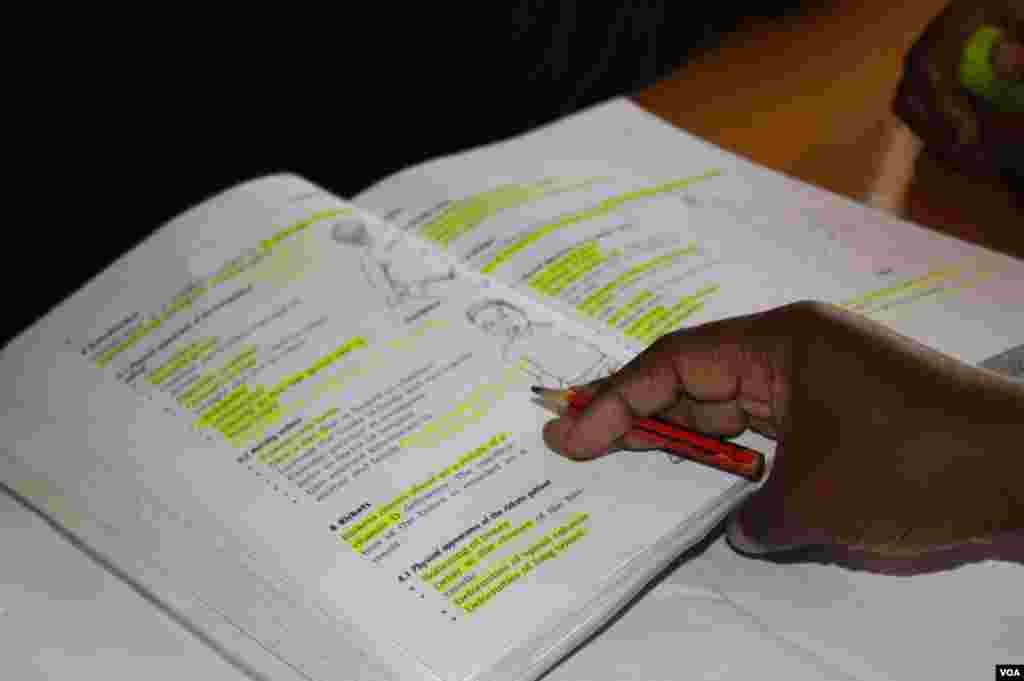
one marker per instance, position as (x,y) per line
(963,130)
(884,445)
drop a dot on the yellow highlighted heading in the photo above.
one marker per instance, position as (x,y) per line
(603,208)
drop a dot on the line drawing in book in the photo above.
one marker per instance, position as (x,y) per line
(405,285)
(551,356)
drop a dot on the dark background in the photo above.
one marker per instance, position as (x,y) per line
(134,122)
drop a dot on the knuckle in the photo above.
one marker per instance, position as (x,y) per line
(809,309)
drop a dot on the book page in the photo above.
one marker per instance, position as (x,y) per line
(295,381)
(629,257)
(51,597)
(649,230)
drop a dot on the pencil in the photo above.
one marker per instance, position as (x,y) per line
(711,451)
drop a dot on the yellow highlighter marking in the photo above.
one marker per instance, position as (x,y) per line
(186,299)
(462,216)
(602,208)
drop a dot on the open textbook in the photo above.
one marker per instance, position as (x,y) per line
(306,423)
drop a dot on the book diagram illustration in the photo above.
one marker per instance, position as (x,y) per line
(409,288)
(551,356)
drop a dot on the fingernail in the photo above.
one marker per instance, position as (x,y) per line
(553,430)
(556,434)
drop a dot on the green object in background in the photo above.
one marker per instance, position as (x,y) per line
(976,73)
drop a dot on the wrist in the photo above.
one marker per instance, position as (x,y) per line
(998,429)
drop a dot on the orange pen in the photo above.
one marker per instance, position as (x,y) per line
(711,451)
